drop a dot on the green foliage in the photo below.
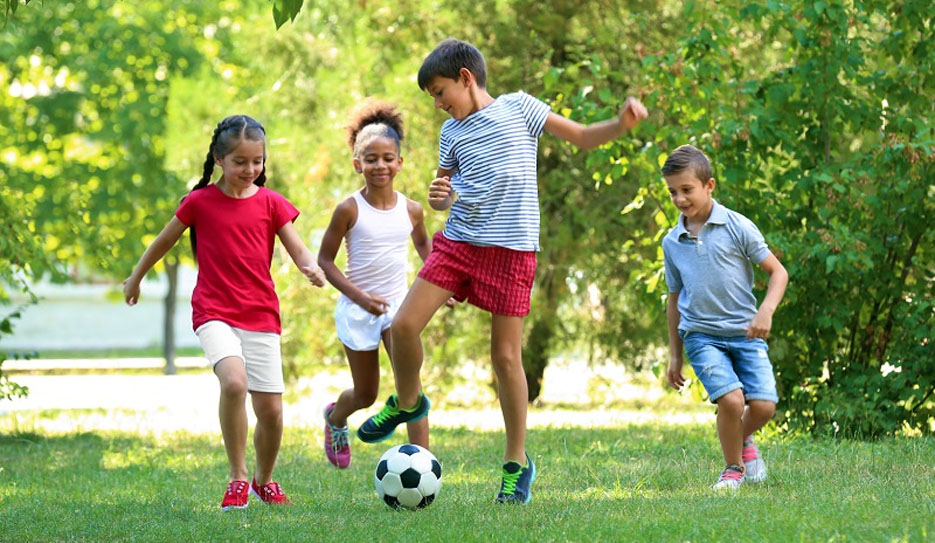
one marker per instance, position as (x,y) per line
(625,483)
(817,118)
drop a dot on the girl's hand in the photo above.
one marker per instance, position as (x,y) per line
(131,291)
(315,275)
(632,113)
(374,304)
(674,375)
(440,192)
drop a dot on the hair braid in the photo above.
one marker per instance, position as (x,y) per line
(222,142)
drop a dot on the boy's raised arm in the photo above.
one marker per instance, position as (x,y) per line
(592,135)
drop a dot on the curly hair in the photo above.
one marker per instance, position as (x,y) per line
(371,119)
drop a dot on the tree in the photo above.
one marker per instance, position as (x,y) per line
(84,122)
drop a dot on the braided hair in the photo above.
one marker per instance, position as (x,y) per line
(227,135)
(373,119)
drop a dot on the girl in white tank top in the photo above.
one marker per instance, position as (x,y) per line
(376,223)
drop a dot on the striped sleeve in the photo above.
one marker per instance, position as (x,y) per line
(535,112)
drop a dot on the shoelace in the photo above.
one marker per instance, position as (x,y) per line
(271,489)
(338,439)
(733,473)
(236,487)
(509,482)
(750,452)
(385,413)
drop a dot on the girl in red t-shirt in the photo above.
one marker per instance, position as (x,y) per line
(235,310)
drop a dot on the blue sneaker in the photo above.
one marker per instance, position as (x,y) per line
(516,482)
(382,425)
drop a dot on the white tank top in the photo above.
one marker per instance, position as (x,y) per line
(377,248)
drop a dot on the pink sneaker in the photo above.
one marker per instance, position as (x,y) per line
(237,495)
(270,493)
(731,478)
(337,447)
(756,466)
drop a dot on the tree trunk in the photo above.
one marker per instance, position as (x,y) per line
(168,330)
(536,356)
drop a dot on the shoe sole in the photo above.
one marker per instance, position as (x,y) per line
(532,479)
(233,507)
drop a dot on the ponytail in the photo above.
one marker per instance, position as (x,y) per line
(227,135)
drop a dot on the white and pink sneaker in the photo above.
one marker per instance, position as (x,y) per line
(756,466)
(731,478)
(337,447)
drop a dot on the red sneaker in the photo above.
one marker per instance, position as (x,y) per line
(238,492)
(271,493)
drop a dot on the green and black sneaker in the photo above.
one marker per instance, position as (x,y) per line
(516,482)
(382,425)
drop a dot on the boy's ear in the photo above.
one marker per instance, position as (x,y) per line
(710,183)
(466,76)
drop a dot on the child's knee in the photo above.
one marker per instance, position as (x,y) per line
(763,409)
(234,386)
(403,326)
(732,403)
(268,412)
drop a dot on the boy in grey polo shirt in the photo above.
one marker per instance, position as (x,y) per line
(712,311)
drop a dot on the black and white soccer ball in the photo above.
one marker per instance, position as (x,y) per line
(408,476)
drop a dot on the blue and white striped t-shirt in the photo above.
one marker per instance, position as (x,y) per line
(493,153)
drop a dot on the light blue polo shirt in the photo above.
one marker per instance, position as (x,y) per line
(713,272)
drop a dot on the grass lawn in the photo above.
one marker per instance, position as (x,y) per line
(647,482)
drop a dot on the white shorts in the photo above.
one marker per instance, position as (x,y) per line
(259,351)
(359,329)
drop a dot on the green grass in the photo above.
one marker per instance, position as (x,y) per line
(635,483)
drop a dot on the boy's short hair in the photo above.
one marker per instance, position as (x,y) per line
(447,59)
(687,157)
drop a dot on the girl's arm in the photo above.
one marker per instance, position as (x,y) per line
(157,249)
(674,374)
(441,195)
(300,254)
(592,135)
(420,238)
(778,279)
(343,218)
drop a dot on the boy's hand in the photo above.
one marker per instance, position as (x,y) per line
(451,302)
(131,291)
(674,375)
(315,275)
(440,193)
(760,325)
(632,113)
(374,304)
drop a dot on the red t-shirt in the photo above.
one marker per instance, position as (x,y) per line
(235,250)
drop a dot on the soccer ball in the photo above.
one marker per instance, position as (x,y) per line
(408,476)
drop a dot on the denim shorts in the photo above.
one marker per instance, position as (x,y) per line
(726,363)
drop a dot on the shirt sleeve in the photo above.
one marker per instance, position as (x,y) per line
(283,211)
(535,112)
(187,210)
(754,246)
(673,277)
(446,157)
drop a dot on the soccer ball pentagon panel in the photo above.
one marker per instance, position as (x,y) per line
(408,476)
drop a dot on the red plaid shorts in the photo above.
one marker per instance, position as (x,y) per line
(495,279)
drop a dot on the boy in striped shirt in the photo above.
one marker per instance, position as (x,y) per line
(487,251)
